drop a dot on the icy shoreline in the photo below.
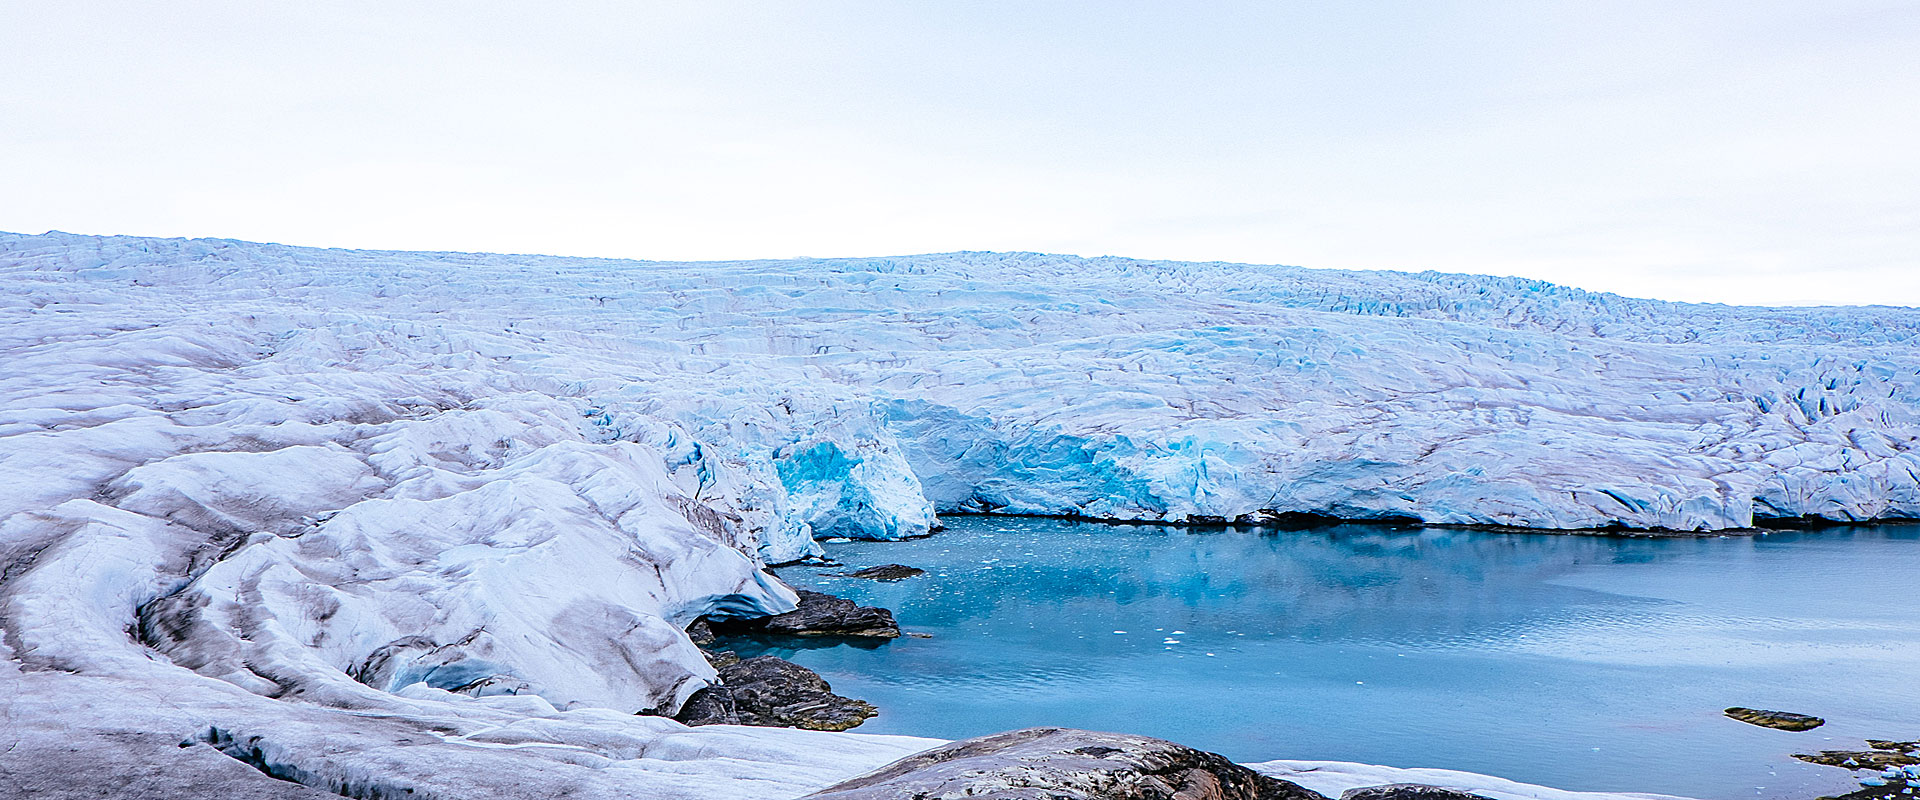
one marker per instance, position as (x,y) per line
(1760,526)
(277,492)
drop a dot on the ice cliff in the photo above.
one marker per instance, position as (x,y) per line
(465,502)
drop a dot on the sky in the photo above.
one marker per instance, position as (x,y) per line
(1737,152)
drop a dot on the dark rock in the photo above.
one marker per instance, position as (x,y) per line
(1887,757)
(721,659)
(1775,719)
(1859,759)
(818,615)
(1066,764)
(773,692)
(1891,790)
(1407,791)
(701,632)
(884,572)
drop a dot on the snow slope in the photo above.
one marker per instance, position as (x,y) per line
(465,494)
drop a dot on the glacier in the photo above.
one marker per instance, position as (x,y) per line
(343,516)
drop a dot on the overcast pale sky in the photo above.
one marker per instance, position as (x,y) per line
(1743,152)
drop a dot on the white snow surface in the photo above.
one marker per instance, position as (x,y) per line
(1333,777)
(261,491)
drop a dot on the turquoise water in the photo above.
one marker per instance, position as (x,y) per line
(1582,662)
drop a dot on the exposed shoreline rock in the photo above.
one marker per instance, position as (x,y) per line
(819,614)
(1779,720)
(1066,764)
(701,632)
(773,692)
(1861,759)
(1898,763)
(769,691)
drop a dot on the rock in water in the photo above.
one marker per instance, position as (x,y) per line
(1066,764)
(1859,759)
(1775,719)
(884,572)
(818,615)
(774,692)
(1408,791)
(1898,763)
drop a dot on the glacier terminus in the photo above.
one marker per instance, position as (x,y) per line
(388,524)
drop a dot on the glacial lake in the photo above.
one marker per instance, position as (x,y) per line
(1575,661)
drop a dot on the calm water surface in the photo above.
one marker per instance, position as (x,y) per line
(1581,662)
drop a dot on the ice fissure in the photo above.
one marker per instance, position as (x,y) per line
(277,762)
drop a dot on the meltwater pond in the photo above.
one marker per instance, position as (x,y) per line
(1582,662)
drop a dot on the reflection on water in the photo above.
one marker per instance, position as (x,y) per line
(1583,662)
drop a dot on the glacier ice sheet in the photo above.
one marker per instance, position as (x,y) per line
(259,497)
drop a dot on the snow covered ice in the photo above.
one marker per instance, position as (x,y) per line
(363,515)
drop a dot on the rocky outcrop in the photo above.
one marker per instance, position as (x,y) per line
(1408,791)
(720,659)
(1775,719)
(818,615)
(1861,759)
(773,692)
(700,632)
(1066,764)
(884,572)
(1898,763)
